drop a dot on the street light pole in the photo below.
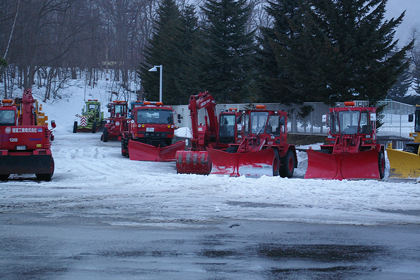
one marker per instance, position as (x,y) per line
(154,69)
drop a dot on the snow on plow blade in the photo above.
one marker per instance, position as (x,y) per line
(195,162)
(145,152)
(363,165)
(257,163)
(403,165)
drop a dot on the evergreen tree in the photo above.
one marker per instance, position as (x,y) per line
(273,82)
(227,67)
(164,49)
(190,80)
(416,72)
(340,51)
(400,88)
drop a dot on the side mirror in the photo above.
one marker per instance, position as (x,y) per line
(410,118)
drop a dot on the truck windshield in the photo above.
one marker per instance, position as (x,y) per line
(7,117)
(156,116)
(120,109)
(227,128)
(417,120)
(258,121)
(349,122)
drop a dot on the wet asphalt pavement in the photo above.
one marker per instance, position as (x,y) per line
(37,246)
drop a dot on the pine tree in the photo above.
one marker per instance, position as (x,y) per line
(400,88)
(229,47)
(340,51)
(164,49)
(190,80)
(273,81)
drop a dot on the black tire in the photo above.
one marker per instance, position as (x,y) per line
(94,127)
(124,147)
(47,177)
(105,135)
(276,163)
(4,177)
(287,165)
(75,127)
(381,164)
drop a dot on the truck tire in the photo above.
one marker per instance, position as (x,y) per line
(47,177)
(105,135)
(276,163)
(381,164)
(75,127)
(287,165)
(94,127)
(124,147)
(4,177)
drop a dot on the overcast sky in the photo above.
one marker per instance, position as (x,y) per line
(412,17)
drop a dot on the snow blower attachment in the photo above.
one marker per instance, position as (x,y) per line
(261,148)
(405,164)
(25,148)
(218,135)
(352,151)
(150,133)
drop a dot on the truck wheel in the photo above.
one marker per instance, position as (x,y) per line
(105,135)
(381,164)
(94,127)
(75,127)
(124,147)
(287,165)
(276,163)
(4,177)
(47,177)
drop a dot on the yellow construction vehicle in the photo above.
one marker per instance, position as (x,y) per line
(405,164)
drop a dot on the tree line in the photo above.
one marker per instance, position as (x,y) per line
(286,51)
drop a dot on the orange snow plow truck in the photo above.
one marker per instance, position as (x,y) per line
(25,148)
(352,151)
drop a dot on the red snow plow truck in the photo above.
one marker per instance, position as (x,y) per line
(150,133)
(352,151)
(117,122)
(211,134)
(25,148)
(261,147)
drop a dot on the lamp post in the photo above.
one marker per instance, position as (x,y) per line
(154,69)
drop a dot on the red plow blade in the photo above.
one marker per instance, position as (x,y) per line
(145,152)
(257,163)
(363,165)
(193,162)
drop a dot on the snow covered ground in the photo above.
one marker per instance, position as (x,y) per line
(93,176)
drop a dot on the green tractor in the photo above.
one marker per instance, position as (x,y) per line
(92,119)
